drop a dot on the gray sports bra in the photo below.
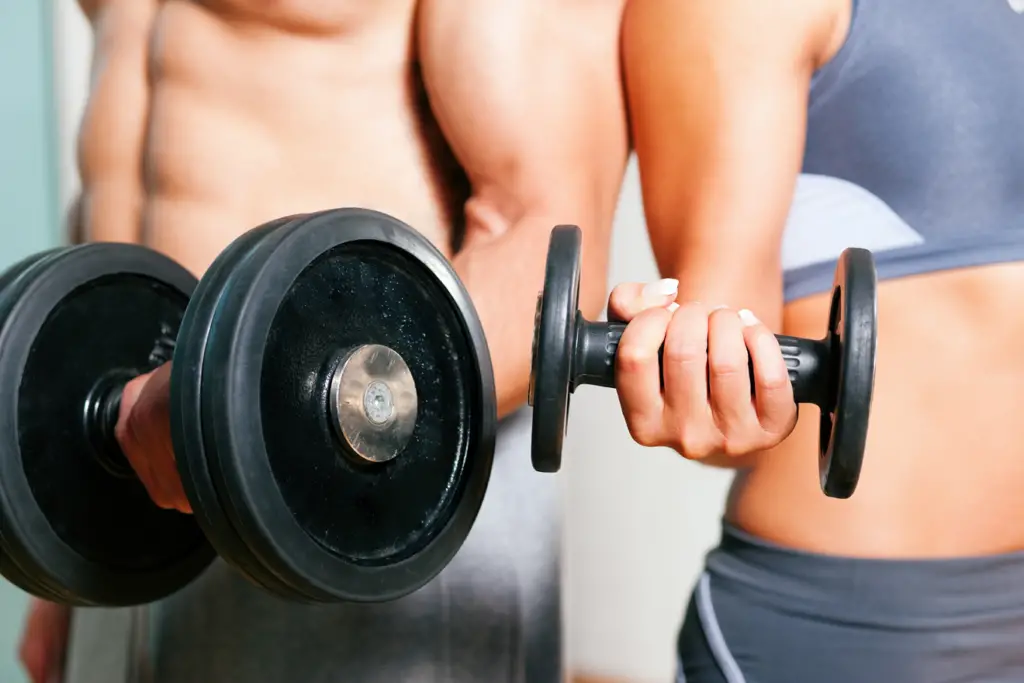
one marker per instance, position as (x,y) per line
(915,143)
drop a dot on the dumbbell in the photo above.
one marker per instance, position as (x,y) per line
(332,412)
(835,373)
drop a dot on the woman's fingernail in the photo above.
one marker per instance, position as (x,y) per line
(661,288)
(672,307)
(748,317)
(718,308)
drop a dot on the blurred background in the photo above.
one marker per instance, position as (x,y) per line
(638,521)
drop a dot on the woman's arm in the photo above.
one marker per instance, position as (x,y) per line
(717,93)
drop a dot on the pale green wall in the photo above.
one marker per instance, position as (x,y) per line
(28,192)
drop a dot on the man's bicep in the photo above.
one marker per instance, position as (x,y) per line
(717,91)
(528,94)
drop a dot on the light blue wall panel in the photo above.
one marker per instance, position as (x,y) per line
(28,193)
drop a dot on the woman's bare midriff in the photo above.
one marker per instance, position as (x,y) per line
(945,454)
(254,111)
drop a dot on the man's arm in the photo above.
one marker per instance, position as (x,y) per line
(528,95)
(717,92)
(73,224)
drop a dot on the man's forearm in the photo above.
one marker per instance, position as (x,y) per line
(529,98)
(505,274)
(108,212)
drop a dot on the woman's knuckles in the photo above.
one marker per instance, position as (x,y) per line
(634,357)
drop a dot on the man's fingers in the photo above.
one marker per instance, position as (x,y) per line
(176,491)
(630,298)
(143,432)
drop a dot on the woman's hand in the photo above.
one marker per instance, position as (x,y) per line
(684,380)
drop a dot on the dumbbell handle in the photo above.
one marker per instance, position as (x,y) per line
(597,344)
(103,407)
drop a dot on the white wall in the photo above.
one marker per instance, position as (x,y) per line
(638,521)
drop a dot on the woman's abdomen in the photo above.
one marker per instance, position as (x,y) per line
(945,453)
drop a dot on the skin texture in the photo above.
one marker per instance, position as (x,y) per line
(717,93)
(695,396)
(480,125)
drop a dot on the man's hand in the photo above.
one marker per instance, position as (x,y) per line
(683,380)
(144,434)
(44,641)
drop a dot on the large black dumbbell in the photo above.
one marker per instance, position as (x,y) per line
(835,373)
(332,413)
(333,407)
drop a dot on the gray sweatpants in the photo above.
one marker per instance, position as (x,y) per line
(493,615)
(765,614)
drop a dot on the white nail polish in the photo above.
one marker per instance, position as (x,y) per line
(748,317)
(660,288)
(672,307)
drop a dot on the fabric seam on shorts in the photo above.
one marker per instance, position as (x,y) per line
(713,633)
(680,673)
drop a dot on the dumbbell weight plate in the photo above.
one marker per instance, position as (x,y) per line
(11,274)
(186,430)
(8,293)
(335,525)
(386,527)
(554,345)
(852,334)
(88,537)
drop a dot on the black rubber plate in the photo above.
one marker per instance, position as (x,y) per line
(554,332)
(9,276)
(9,289)
(90,538)
(853,332)
(336,531)
(186,422)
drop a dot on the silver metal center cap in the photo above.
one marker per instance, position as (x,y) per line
(373,402)
(378,403)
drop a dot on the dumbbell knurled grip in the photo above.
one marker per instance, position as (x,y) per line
(597,344)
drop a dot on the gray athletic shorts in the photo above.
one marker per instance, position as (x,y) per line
(492,616)
(761,613)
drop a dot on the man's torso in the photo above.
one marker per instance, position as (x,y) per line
(208,118)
